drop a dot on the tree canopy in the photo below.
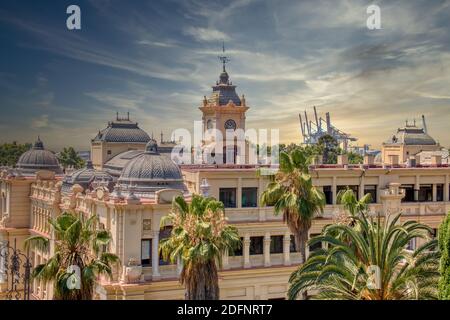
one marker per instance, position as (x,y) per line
(10,153)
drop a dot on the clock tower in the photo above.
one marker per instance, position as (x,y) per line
(224,109)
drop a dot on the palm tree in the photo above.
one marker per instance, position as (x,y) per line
(200,236)
(367,259)
(78,244)
(293,194)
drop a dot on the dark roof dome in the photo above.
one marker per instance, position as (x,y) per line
(150,172)
(37,158)
(122,130)
(412,135)
(86,177)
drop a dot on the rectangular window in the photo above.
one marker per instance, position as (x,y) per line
(328,194)
(440,192)
(409,192)
(228,197)
(256,245)
(317,245)
(146,252)
(276,244)
(372,189)
(164,233)
(425,193)
(249,197)
(354,188)
(239,251)
(434,233)
(109,152)
(411,245)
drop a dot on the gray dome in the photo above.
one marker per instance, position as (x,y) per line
(122,130)
(151,166)
(413,136)
(150,172)
(37,158)
(85,177)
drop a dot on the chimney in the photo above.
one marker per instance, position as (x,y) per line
(436,159)
(417,157)
(342,159)
(369,159)
(393,159)
(412,162)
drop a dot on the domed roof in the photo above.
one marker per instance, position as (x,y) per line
(150,172)
(411,135)
(37,158)
(122,130)
(85,177)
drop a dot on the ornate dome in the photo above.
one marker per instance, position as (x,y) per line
(86,177)
(37,158)
(412,135)
(122,130)
(150,172)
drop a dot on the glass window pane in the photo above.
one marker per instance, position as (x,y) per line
(228,197)
(249,197)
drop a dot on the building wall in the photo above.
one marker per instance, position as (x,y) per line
(102,152)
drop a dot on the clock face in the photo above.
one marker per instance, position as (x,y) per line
(230,124)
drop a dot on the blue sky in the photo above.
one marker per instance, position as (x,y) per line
(157,59)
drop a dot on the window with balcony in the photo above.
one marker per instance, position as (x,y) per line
(372,189)
(249,197)
(409,192)
(164,233)
(316,245)
(239,251)
(256,245)
(328,194)
(146,252)
(228,197)
(276,244)
(354,188)
(440,192)
(425,193)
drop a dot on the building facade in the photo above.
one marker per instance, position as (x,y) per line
(131,188)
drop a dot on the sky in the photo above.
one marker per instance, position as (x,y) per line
(157,59)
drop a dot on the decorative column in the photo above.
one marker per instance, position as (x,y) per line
(239,193)
(179,266)
(434,192)
(287,249)
(361,188)
(333,190)
(417,188)
(246,251)
(267,250)
(155,256)
(446,188)
(225,262)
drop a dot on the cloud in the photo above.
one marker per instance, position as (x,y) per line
(40,122)
(206,34)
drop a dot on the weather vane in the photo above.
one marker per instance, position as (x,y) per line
(223,57)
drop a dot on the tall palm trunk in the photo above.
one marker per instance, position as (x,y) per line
(202,281)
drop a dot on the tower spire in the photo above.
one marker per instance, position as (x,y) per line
(223,58)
